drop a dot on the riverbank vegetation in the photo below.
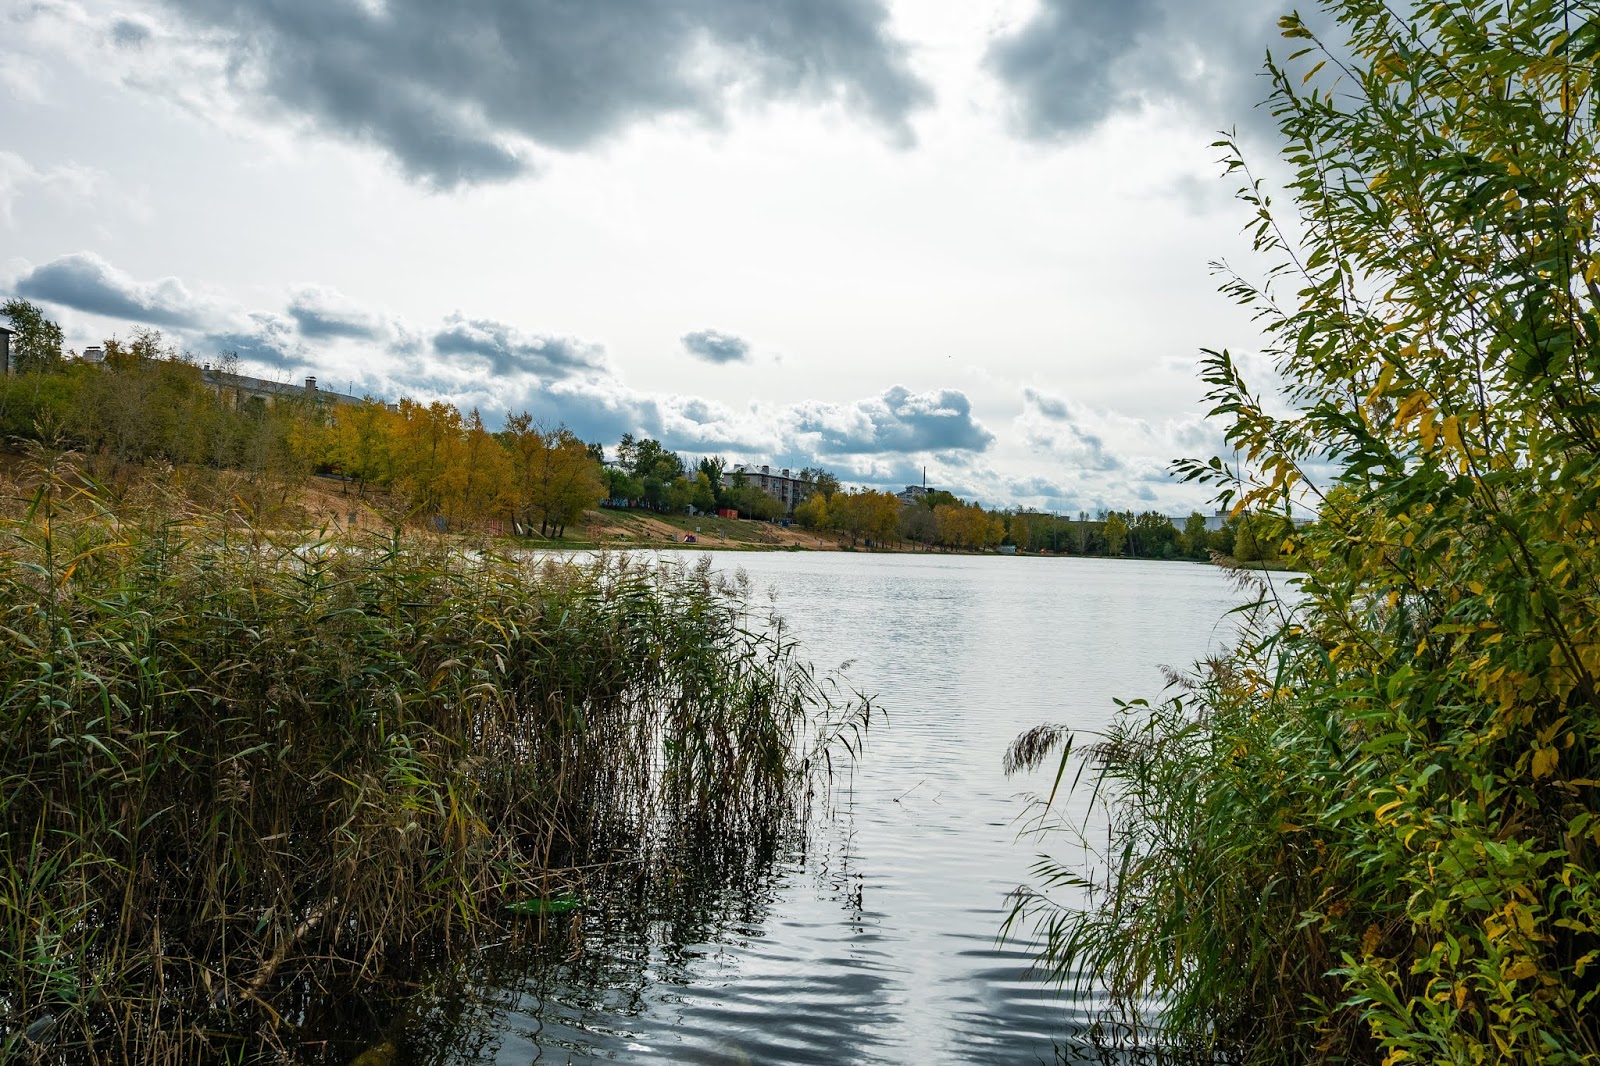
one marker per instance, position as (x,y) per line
(147,403)
(243,769)
(1372,834)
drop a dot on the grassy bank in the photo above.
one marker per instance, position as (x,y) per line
(240,765)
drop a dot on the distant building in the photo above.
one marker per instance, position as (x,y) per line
(787,489)
(914,494)
(5,350)
(94,354)
(1218,519)
(242,387)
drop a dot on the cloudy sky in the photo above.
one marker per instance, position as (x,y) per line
(875,235)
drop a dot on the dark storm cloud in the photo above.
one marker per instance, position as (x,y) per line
(897,421)
(716,347)
(85,282)
(507,350)
(1078,62)
(451,89)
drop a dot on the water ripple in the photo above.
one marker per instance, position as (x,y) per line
(880,947)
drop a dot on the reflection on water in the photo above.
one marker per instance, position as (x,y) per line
(874,939)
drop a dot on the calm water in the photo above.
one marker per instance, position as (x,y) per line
(877,942)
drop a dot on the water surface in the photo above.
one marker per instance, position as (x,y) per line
(876,941)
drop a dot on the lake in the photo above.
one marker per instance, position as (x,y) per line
(875,942)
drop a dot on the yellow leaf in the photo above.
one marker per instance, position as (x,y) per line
(1522,970)
(1452,433)
(1544,762)
(1429,430)
(1410,406)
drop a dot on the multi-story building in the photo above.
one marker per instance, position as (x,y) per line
(241,387)
(787,489)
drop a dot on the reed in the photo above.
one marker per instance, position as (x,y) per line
(239,763)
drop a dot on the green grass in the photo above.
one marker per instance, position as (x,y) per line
(240,764)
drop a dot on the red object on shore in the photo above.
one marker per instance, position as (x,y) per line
(727,512)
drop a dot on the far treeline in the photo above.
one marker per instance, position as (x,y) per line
(148,402)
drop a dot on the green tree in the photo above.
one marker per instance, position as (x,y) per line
(620,485)
(822,481)
(1151,535)
(37,344)
(711,467)
(703,496)
(1196,539)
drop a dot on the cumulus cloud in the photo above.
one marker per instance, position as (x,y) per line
(504,349)
(715,347)
(897,421)
(1051,407)
(1075,63)
(1050,424)
(85,282)
(457,92)
(265,339)
(322,312)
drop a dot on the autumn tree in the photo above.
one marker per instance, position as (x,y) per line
(1115,532)
(812,512)
(554,478)
(481,485)
(357,442)
(425,446)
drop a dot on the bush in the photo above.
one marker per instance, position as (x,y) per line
(1371,834)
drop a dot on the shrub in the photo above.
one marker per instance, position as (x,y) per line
(1371,833)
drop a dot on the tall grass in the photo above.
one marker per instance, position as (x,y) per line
(238,763)
(1182,920)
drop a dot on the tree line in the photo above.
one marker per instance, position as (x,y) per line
(940,519)
(149,402)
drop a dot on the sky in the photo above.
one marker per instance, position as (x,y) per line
(878,236)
